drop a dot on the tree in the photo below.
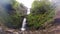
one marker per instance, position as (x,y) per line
(15,17)
(41,12)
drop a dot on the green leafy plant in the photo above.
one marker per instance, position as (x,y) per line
(41,12)
(15,19)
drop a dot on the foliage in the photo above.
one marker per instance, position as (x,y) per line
(15,18)
(41,12)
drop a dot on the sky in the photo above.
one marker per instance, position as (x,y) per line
(27,3)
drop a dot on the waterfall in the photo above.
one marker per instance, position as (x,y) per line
(24,21)
(28,11)
(23,24)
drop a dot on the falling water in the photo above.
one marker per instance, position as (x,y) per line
(28,11)
(23,24)
(24,21)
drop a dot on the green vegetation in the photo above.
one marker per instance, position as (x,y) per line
(15,18)
(41,12)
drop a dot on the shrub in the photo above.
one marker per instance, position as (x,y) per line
(41,12)
(15,17)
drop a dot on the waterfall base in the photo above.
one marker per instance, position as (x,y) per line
(23,29)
